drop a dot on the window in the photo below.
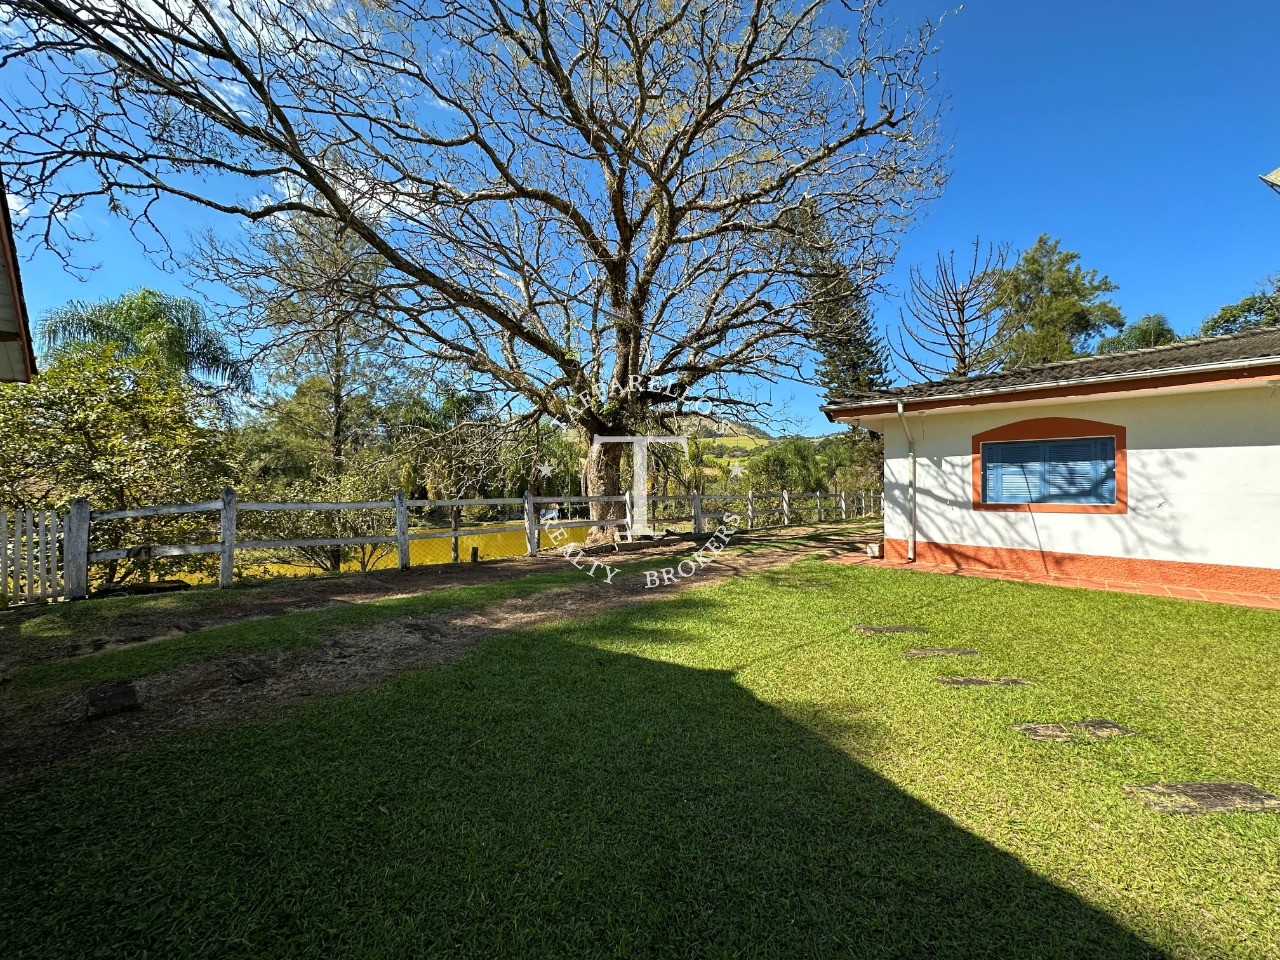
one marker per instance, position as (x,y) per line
(1052,465)
(1079,470)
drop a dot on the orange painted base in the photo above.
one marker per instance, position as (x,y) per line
(1169,573)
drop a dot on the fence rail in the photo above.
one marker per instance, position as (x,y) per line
(45,555)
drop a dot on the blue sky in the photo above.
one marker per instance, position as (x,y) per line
(1135,130)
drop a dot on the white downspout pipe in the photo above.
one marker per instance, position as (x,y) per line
(911,484)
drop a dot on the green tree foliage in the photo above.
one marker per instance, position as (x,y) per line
(1261,309)
(452,439)
(790,464)
(362,481)
(289,454)
(852,358)
(1052,307)
(292,435)
(852,461)
(523,459)
(121,431)
(1153,330)
(173,332)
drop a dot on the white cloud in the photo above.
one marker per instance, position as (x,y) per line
(18,208)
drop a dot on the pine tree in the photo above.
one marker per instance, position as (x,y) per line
(852,358)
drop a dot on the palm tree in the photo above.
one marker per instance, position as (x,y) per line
(175,331)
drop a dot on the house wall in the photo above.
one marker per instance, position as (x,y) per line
(1203,498)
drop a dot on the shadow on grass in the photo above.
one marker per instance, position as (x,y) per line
(542,798)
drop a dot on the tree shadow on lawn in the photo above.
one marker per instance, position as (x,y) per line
(541,798)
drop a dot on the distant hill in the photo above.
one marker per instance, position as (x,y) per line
(717,428)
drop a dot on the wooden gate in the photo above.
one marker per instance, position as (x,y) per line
(30,550)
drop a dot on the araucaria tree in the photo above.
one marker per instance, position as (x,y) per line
(851,357)
(951,323)
(582,200)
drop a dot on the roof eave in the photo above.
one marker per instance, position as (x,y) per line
(889,402)
(13,279)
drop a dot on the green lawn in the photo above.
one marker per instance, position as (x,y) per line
(730,772)
(285,632)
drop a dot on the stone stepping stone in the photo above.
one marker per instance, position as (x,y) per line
(1211,797)
(1076,730)
(921,652)
(250,670)
(108,699)
(868,628)
(1103,729)
(983,682)
(1056,732)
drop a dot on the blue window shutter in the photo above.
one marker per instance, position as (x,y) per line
(1071,471)
(1050,471)
(1021,472)
(991,492)
(1105,461)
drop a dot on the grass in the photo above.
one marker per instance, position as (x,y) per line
(286,632)
(727,772)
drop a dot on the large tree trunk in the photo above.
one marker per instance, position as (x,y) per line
(604,479)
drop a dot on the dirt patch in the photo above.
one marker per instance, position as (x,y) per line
(1230,797)
(197,695)
(1075,730)
(922,653)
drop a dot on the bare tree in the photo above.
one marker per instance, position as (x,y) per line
(307,302)
(954,316)
(580,199)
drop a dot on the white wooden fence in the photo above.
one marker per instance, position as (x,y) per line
(30,555)
(31,570)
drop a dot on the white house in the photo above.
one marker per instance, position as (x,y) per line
(1158,466)
(17,360)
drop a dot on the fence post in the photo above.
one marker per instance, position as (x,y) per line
(454,515)
(530,524)
(786,509)
(626,502)
(75,550)
(227,567)
(819,497)
(751,511)
(844,507)
(402,529)
(697,514)
(4,553)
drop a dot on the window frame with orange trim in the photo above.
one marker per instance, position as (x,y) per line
(1050,429)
